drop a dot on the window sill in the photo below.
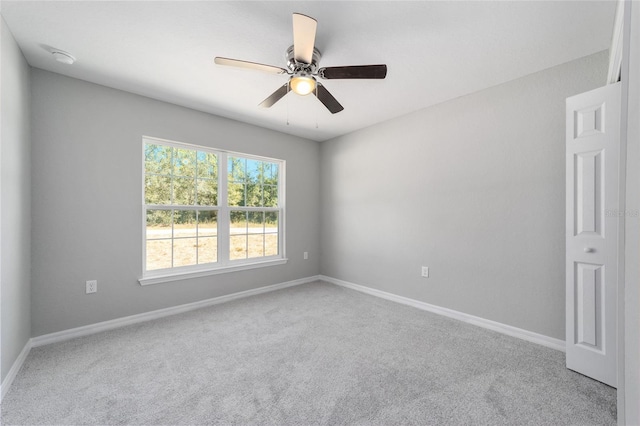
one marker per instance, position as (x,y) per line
(157,279)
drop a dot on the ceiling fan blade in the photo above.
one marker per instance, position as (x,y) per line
(275,96)
(249,65)
(304,37)
(354,71)
(327,99)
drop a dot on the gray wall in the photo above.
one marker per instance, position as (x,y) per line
(15,201)
(87,171)
(472,188)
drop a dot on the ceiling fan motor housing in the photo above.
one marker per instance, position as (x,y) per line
(300,68)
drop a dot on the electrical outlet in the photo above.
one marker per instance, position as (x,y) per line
(425,271)
(92,286)
(305,255)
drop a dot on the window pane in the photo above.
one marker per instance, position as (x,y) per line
(237,169)
(207,250)
(184,252)
(157,189)
(238,247)
(158,224)
(235,196)
(266,173)
(238,222)
(254,171)
(273,176)
(256,246)
(207,223)
(271,244)
(184,162)
(184,223)
(184,191)
(271,221)
(254,195)
(207,192)
(271,234)
(256,222)
(157,159)
(270,194)
(207,165)
(158,254)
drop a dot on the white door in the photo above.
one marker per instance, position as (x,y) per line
(593,157)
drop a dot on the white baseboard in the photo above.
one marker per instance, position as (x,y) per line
(13,372)
(86,330)
(529,336)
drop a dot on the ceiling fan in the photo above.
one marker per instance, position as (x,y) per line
(302,67)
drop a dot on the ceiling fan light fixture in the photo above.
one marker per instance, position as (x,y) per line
(302,68)
(302,85)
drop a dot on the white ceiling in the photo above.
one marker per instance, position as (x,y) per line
(435,51)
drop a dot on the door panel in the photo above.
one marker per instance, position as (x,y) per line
(593,151)
(588,191)
(588,307)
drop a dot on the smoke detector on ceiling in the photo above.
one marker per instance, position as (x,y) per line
(63,57)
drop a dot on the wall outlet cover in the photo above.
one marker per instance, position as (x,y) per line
(92,286)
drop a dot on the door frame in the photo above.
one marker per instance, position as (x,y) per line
(629,290)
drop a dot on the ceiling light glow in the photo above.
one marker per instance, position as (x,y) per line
(302,85)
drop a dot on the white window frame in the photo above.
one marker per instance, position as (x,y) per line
(224,264)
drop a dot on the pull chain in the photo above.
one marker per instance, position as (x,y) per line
(316,107)
(287,104)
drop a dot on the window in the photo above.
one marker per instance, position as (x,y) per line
(253,196)
(209,211)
